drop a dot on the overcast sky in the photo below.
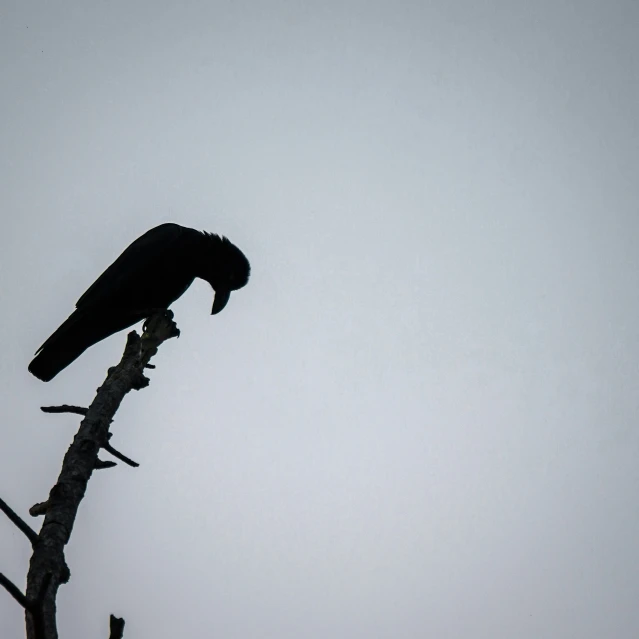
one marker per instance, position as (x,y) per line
(420,417)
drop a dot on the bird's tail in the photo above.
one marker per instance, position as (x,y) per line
(73,337)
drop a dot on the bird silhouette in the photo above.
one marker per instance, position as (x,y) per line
(148,277)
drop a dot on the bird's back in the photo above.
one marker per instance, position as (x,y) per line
(149,275)
(152,272)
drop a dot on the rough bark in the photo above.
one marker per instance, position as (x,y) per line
(47,567)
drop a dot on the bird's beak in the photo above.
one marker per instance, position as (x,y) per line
(220,301)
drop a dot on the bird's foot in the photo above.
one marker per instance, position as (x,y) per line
(160,325)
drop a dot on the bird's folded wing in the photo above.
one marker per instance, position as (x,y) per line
(135,262)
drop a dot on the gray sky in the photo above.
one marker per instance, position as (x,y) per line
(420,417)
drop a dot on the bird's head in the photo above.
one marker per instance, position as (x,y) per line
(226,270)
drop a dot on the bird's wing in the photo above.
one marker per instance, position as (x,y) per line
(135,262)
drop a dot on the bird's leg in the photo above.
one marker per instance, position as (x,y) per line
(150,313)
(157,328)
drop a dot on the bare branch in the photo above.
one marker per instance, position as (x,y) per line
(14,591)
(65,408)
(120,456)
(117,454)
(78,465)
(15,519)
(116,626)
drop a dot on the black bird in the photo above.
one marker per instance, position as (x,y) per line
(149,276)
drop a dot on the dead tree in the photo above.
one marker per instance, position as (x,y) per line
(47,568)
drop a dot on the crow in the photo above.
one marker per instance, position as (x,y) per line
(148,277)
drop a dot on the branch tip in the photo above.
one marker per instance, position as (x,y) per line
(116,626)
(65,408)
(117,454)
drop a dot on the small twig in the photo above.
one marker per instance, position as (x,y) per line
(65,408)
(116,625)
(39,509)
(118,455)
(101,464)
(15,519)
(80,410)
(14,591)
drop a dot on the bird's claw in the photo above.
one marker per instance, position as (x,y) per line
(156,315)
(161,325)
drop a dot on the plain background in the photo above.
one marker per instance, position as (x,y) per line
(420,417)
